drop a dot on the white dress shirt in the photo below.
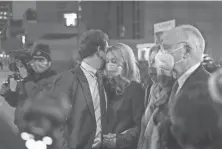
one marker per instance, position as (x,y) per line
(185,76)
(90,74)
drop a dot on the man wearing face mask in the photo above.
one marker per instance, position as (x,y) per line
(181,53)
(83,85)
(41,65)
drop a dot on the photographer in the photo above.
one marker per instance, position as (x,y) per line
(14,89)
(41,65)
(36,75)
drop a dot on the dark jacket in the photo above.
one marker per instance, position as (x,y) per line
(9,140)
(200,75)
(28,88)
(81,123)
(125,113)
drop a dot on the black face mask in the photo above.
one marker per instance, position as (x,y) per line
(152,73)
(165,81)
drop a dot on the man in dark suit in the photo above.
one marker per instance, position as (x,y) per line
(87,121)
(181,52)
(196,118)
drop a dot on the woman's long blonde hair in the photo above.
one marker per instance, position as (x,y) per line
(125,54)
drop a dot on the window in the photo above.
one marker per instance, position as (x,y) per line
(30,15)
(120,20)
(61,5)
(3,22)
(59,36)
(136,20)
(23,39)
(70,19)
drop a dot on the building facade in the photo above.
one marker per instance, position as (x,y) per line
(52,11)
(134,20)
(5,16)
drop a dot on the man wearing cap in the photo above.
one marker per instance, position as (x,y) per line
(41,62)
(181,52)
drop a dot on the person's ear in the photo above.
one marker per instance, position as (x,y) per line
(50,64)
(99,51)
(187,51)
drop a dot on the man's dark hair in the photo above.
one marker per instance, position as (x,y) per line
(90,42)
(199,118)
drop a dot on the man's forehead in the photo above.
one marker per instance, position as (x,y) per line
(173,36)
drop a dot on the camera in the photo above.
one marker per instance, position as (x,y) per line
(14,76)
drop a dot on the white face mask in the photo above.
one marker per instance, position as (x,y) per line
(39,67)
(113,69)
(165,60)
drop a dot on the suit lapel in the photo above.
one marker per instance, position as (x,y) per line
(85,88)
(194,77)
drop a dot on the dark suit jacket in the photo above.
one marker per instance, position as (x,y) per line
(125,114)
(200,75)
(81,123)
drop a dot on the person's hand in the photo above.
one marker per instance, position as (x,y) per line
(13,84)
(109,140)
(4,89)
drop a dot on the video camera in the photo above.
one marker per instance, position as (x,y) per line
(14,76)
(24,57)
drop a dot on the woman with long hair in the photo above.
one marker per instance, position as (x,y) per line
(126,102)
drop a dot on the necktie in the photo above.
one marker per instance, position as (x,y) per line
(102,100)
(173,93)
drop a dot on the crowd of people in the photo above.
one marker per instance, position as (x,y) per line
(107,102)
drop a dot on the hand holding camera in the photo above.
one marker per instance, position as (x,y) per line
(4,89)
(10,84)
